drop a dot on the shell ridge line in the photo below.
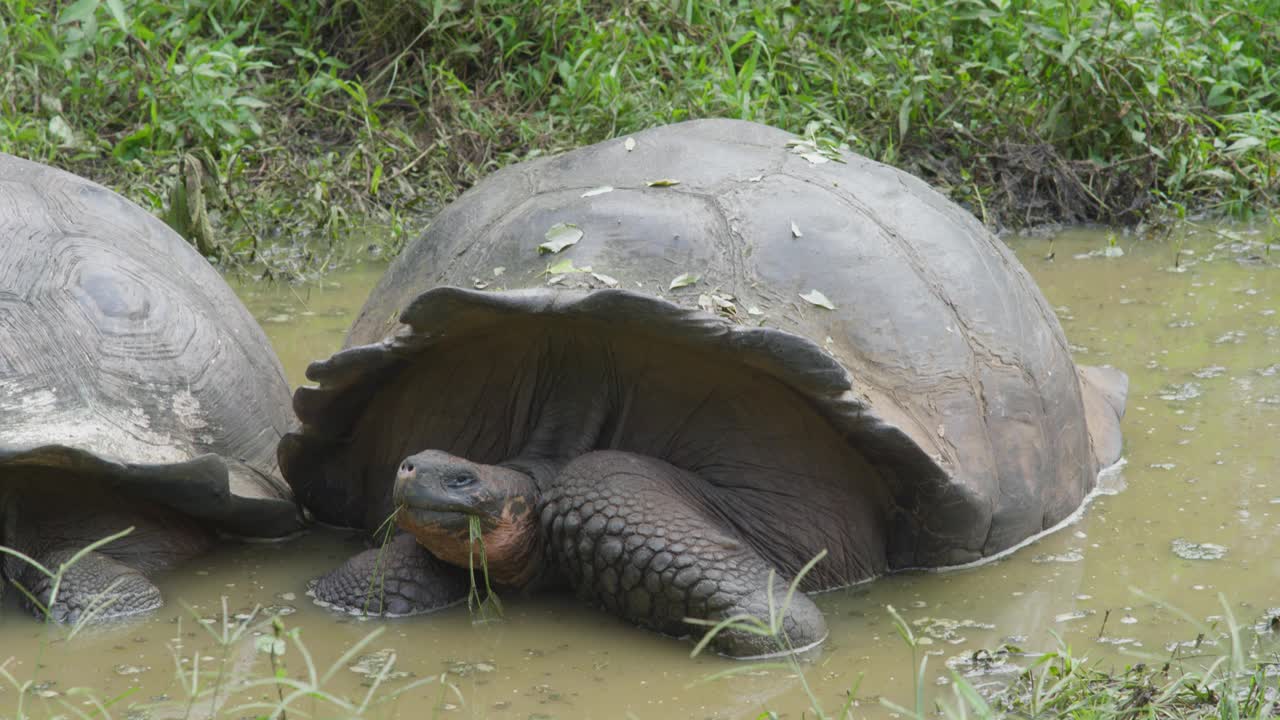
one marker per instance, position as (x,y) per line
(735,246)
(909,254)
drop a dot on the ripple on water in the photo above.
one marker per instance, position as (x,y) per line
(1188,550)
(1120,641)
(374,664)
(1073,615)
(462,668)
(1181,391)
(984,663)
(1269,624)
(1212,371)
(1070,556)
(947,629)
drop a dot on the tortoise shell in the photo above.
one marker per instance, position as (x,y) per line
(926,379)
(126,357)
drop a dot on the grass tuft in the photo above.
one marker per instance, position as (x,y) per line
(489,607)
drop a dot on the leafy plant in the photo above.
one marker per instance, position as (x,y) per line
(325,120)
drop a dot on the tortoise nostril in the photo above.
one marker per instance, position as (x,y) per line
(406,467)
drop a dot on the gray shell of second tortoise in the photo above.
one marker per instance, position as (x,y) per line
(941,366)
(126,357)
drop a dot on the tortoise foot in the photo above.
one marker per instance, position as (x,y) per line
(95,587)
(642,538)
(398,579)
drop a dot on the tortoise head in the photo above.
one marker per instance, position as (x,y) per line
(438,494)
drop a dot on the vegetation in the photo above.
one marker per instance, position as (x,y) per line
(1244,682)
(222,687)
(1239,684)
(246,122)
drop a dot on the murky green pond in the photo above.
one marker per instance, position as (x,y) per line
(1194,514)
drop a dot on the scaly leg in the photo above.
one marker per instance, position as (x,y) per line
(95,583)
(635,534)
(400,578)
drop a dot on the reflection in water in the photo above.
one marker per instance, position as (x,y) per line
(1199,515)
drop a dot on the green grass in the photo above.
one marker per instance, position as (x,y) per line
(306,121)
(1212,684)
(484,606)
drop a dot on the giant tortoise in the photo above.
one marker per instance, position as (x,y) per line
(658,368)
(135,391)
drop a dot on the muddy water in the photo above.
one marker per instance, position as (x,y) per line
(1194,513)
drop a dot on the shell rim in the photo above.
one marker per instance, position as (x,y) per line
(447,313)
(243,516)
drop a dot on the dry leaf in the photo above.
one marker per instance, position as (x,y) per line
(814,297)
(562,267)
(559,237)
(683,280)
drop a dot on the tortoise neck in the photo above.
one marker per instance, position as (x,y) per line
(542,471)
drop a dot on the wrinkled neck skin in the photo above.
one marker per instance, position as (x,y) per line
(515,545)
(538,572)
(542,471)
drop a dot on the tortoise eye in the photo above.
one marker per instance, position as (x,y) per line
(460,480)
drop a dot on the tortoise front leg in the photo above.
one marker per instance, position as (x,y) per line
(95,583)
(632,533)
(399,578)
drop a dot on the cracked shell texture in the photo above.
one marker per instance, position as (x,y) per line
(123,353)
